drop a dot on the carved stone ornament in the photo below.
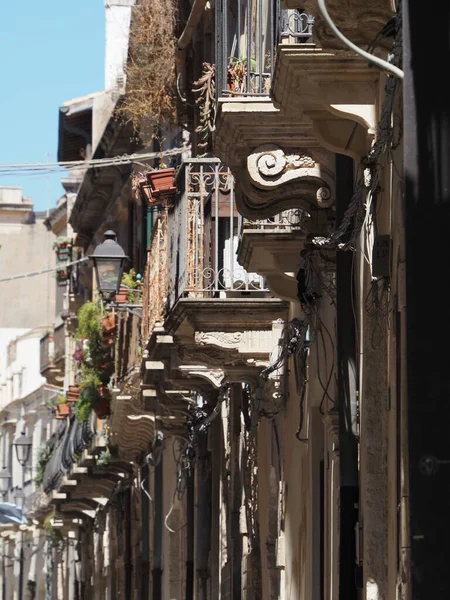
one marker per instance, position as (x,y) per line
(214,376)
(359,20)
(221,339)
(210,357)
(284,180)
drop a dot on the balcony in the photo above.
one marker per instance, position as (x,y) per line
(52,353)
(72,480)
(203,311)
(285,106)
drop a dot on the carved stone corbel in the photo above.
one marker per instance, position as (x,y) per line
(277,180)
(270,167)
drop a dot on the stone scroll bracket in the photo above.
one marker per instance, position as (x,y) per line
(270,167)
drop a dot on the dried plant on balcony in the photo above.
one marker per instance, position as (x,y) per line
(150,94)
(205,89)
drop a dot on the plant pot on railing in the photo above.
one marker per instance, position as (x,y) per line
(122,296)
(63,248)
(161,182)
(72,393)
(109,323)
(62,411)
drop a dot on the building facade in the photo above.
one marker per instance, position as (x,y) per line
(236,412)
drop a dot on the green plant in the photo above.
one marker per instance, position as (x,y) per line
(61,241)
(130,282)
(61,399)
(44,454)
(89,394)
(89,328)
(103,458)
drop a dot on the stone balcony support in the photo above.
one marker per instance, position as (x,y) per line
(209,343)
(281,149)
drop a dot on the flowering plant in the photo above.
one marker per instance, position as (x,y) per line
(78,355)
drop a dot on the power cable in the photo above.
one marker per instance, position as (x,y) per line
(33,273)
(378,62)
(95,163)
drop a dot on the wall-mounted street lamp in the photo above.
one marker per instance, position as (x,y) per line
(5,481)
(23,447)
(109,260)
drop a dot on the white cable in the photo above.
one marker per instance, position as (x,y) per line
(60,267)
(379,62)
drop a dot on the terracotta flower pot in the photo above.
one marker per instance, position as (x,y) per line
(72,393)
(62,411)
(109,323)
(162,183)
(122,296)
(102,408)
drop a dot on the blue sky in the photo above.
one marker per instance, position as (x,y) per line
(50,51)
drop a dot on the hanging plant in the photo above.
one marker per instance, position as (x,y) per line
(205,89)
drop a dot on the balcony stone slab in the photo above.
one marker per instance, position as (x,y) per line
(275,156)
(336,91)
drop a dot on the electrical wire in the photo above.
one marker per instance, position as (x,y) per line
(33,273)
(94,163)
(378,62)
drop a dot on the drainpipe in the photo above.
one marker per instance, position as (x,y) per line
(157,532)
(347,377)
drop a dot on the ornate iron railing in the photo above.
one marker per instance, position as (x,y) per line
(247,34)
(69,442)
(155,280)
(204,234)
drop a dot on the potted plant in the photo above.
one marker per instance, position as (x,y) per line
(62,276)
(94,396)
(161,183)
(62,410)
(237,74)
(72,393)
(130,282)
(108,322)
(63,247)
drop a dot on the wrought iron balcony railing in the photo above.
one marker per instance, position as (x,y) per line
(247,34)
(155,280)
(203,232)
(193,250)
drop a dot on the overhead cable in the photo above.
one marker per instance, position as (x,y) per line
(378,62)
(94,163)
(60,267)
